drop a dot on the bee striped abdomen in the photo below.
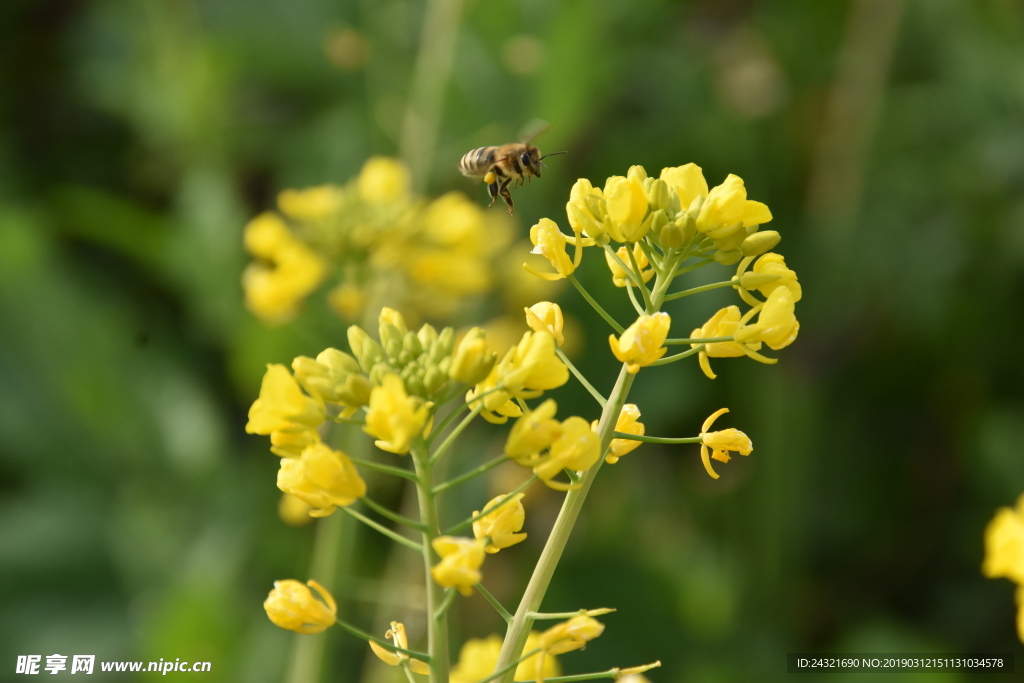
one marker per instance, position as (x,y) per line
(477,162)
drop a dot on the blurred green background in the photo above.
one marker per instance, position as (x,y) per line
(887,136)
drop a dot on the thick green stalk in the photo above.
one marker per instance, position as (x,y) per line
(519,629)
(437,620)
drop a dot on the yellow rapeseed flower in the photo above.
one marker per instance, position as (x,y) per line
(323,477)
(688,183)
(397,636)
(312,203)
(291,444)
(628,423)
(282,406)
(726,208)
(286,270)
(570,635)
(495,403)
(775,264)
(291,606)
(776,324)
(460,563)
(394,417)
(724,323)
(499,527)
(584,214)
(626,206)
(1004,544)
(549,242)
(721,443)
(478,657)
(532,366)
(533,433)
(546,316)
(642,342)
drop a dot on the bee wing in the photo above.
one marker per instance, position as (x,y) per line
(532,130)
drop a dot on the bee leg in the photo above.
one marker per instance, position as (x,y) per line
(503,190)
(492,190)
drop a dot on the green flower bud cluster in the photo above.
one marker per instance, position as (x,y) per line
(422,358)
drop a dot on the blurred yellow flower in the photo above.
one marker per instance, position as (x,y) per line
(478,657)
(383,179)
(570,635)
(546,316)
(282,406)
(721,443)
(628,423)
(397,635)
(291,606)
(394,417)
(1004,544)
(293,511)
(641,343)
(323,477)
(460,563)
(291,444)
(499,527)
(286,270)
(312,203)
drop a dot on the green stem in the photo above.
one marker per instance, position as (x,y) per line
(397,538)
(640,280)
(437,620)
(632,298)
(697,340)
(387,469)
(448,440)
(679,356)
(384,511)
(386,644)
(505,614)
(488,510)
(698,290)
(466,476)
(601,400)
(519,629)
(596,306)
(694,266)
(657,439)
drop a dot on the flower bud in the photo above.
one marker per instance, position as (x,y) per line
(659,195)
(501,524)
(728,258)
(433,380)
(473,359)
(637,173)
(364,348)
(760,242)
(546,316)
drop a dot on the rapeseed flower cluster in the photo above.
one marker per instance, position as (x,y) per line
(368,241)
(413,391)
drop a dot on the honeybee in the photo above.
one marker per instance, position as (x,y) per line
(503,165)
